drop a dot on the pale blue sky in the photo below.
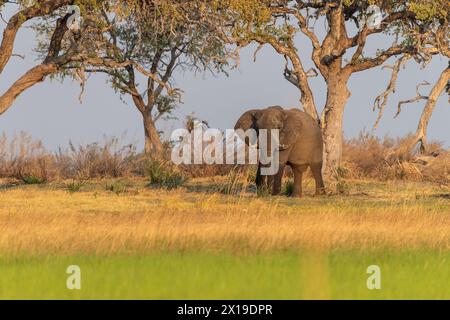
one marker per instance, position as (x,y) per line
(50,111)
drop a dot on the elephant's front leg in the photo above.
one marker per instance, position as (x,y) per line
(259,181)
(298,177)
(277,180)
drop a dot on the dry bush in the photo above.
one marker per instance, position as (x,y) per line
(109,159)
(367,156)
(391,159)
(25,159)
(437,170)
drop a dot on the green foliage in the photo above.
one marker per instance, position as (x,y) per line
(31,179)
(427,10)
(74,186)
(163,174)
(288,188)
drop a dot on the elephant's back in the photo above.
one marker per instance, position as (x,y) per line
(309,146)
(309,124)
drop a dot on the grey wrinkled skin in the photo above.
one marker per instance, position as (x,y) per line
(301,145)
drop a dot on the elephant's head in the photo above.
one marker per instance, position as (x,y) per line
(278,118)
(246,122)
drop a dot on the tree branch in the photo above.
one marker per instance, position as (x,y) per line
(377,61)
(412,100)
(382,99)
(18,19)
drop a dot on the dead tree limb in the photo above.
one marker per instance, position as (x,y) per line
(417,98)
(421,133)
(382,99)
(438,89)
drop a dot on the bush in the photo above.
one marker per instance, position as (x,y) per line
(288,188)
(74,186)
(116,187)
(33,180)
(163,174)
(23,159)
(109,159)
(388,159)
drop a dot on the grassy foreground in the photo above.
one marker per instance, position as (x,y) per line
(337,275)
(133,242)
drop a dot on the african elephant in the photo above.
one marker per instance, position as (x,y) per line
(300,144)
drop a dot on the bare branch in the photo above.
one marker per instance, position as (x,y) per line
(417,98)
(421,132)
(382,99)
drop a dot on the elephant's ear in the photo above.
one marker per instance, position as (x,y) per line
(246,121)
(290,131)
(256,116)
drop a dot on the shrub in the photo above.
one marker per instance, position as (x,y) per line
(163,174)
(74,186)
(33,180)
(116,187)
(288,188)
(109,159)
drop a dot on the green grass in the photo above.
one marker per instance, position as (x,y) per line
(337,275)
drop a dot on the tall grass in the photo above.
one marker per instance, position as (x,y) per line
(26,159)
(385,159)
(390,216)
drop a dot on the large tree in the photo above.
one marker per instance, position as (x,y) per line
(26,11)
(141,50)
(339,54)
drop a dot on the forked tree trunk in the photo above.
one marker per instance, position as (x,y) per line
(332,123)
(153,145)
(152,141)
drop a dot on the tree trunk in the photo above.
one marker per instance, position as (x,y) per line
(153,145)
(332,123)
(152,142)
(421,132)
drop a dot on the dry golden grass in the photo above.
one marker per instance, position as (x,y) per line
(41,220)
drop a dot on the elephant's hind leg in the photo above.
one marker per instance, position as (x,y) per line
(298,177)
(316,170)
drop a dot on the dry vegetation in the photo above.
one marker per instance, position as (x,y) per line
(37,220)
(96,200)
(25,159)
(391,159)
